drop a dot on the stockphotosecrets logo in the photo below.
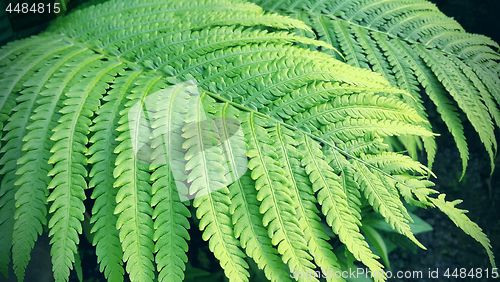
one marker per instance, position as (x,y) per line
(172,127)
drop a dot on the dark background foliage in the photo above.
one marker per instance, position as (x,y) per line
(447,246)
(475,16)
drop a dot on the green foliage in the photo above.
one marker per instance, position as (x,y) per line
(418,49)
(312,128)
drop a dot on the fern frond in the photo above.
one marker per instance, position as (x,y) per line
(383,201)
(361,106)
(303,196)
(149,104)
(351,189)
(68,183)
(334,204)
(206,177)
(377,35)
(31,61)
(461,220)
(352,128)
(31,198)
(248,228)
(168,111)
(106,236)
(244,208)
(315,94)
(437,94)
(467,97)
(394,163)
(132,178)
(273,191)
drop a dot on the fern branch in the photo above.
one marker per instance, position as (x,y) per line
(101,156)
(244,208)
(383,201)
(68,183)
(31,198)
(277,206)
(461,220)
(304,200)
(133,199)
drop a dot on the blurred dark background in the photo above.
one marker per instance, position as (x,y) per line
(476,16)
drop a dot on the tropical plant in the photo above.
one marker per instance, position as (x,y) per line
(418,49)
(145,104)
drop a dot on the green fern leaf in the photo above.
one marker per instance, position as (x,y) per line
(461,220)
(132,177)
(170,214)
(377,35)
(383,201)
(304,200)
(68,174)
(106,236)
(163,102)
(273,191)
(207,182)
(334,204)
(247,220)
(31,198)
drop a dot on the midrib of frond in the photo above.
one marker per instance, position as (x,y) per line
(325,29)
(202,151)
(318,114)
